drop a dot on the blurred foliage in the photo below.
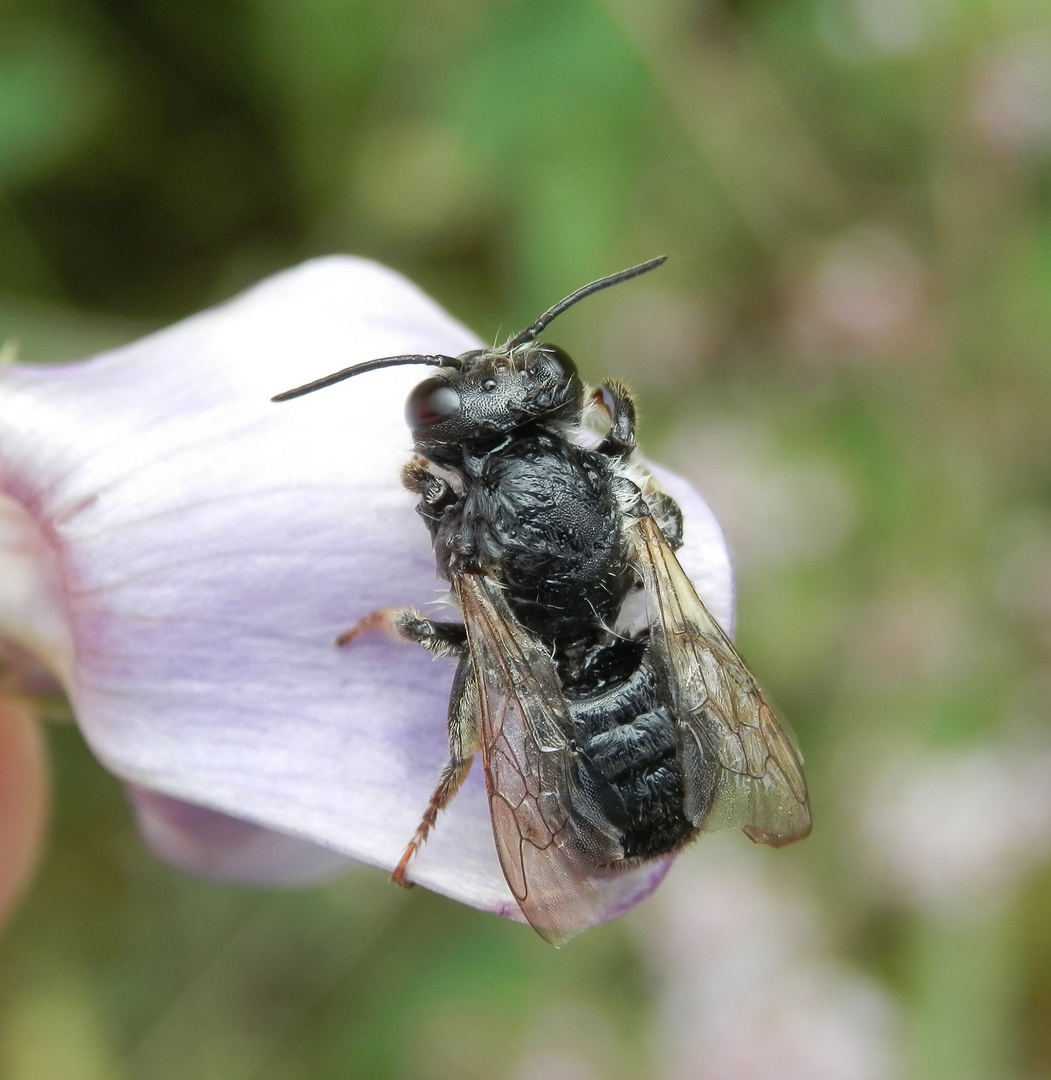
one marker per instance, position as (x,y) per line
(847,352)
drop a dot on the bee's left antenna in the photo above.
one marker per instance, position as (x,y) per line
(368,365)
(531,333)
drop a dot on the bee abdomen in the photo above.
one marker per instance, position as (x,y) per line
(627,762)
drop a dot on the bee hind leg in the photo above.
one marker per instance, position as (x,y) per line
(464,743)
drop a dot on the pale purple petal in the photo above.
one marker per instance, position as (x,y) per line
(199,548)
(216,846)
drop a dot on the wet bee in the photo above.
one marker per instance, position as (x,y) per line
(614,717)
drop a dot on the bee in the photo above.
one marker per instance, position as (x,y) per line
(614,717)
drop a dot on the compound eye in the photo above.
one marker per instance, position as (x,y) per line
(433,401)
(559,362)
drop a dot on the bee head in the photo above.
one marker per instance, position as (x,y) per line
(488,393)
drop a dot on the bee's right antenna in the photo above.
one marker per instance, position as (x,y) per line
(367,365)
(533,332)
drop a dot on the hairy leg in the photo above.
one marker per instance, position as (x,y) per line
(464,743)
(441,639)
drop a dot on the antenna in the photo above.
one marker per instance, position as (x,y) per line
(367,365)
(532,332)
(529,334)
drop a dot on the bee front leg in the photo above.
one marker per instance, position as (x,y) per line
(617,402)
(436,493)
(464,743)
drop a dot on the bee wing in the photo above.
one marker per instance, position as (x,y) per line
(740,766)
(555,847)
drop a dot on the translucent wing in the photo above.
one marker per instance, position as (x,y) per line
(558,853)
(740,768)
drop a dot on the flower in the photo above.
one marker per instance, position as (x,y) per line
(182,553)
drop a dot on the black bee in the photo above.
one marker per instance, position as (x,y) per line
(615,719)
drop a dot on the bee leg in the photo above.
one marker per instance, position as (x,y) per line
(434,492)
(616,401)
(406,624)
(464,743)
(442,639)
(666,513)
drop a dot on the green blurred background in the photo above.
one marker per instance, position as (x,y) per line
(848,354)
